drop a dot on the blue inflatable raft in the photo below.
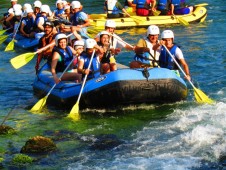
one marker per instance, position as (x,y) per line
(24,42)
(118,88)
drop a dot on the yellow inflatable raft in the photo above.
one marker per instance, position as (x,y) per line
(198,15)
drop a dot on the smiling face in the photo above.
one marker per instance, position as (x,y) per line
(168,42)
(153,38)
(104,39)
(62,43)
(48,29)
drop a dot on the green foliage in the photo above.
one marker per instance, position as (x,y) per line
(21,159)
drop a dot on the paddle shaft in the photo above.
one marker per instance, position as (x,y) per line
(14,35)
(61,75)
(53,43)
(181,21)
(133,46)
(84,80)
(178,65)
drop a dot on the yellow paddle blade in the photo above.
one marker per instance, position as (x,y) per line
(39,105)
(74,114)
(10,46)
(22,60)
(3,38)
(156,13)
(201,97)
(183,22)
(2,31)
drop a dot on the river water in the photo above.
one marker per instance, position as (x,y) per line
(184,135)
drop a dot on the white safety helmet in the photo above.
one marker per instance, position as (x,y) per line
(58,2)
(78,43)
(110,23)
(75,4)
(37,4)
(66,7)
(27,6)
(167,34)
(90,43)
(13,1)
(29,10)
(104,33)
(44,8)
(64,2)
(18,13)
(59,37)
(17,7)
(153,30)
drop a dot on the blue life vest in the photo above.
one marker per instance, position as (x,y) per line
(145,57)
(38,16)
(76,20)
(112,9)
(59,11)
(166,61)
(30,23)
(162,5)
(95,66)
(66,57)
(176,4)
(141,4)
(36,22)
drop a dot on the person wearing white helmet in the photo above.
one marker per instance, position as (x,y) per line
(25,7)
(62,57)
(17,21)
(40,19)
(37,5)
(107,60)
(115,42)
(28,24)
(114,8)
(94,70)
(78,18)
(59,11)
(165,60)
(7,20)
(145,55)
(79,47)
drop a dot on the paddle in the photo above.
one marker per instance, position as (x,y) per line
(181,20)
(3,31)
(156,13)
(200,96)
(74,114)
(41,103)
(133,48)
(137,20)
(4,37)
(10,46)
(21,60)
